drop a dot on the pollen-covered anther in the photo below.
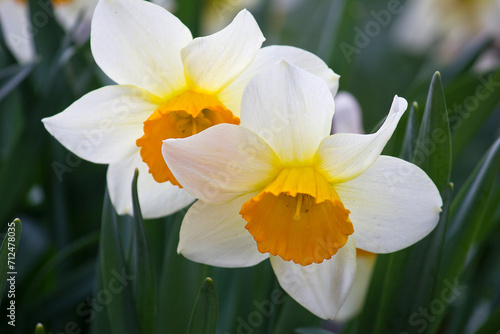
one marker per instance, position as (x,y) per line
(299,217)
(181,116)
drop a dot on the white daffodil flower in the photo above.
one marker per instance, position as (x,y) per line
(451,22)
(348,117)
(280,186)
(169,86)
(18,32)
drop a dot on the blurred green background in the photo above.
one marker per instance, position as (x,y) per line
(59,197)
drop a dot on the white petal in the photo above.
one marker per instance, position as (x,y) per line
(215,234)
(156,199)
(14,17)
(320,288)
(356,298)
(221,163)
(344,156)
(137,42)
(231,96)
(348,117)
(393,205)
(213,62)
(103,125)
(291,109)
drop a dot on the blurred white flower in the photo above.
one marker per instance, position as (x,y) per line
(216,14)
(451,23)
(72,15)
(348,117)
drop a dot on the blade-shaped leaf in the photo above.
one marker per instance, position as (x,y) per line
(12,76)
(466,218)
(411,133)
(206,310)
(116,280)
(144,283)
(39,329)
(433,148)
(177,292)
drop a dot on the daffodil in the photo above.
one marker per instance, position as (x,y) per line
(279,186)
(452,23)
(348,117)
(18,32)
(169,86)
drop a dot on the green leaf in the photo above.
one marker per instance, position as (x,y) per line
(472,100)
(143,285)
(12,76)
(467,58)
(176,295)
(206,310)
(311,330)
(189,12)
(466,218)
(292,316)
(39,329)
(115,278)
(433,148)
(492,323)
(411,133)
(7,253)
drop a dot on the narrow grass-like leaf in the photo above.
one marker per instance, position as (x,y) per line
(189,12)
(39,329)
(116,280)
(205,311)
(310,330)
(177,291)
(466,218)
(143,285)
(492,323)
(411,133)
(292,316)
(433,148)
(12,76)
(8,253)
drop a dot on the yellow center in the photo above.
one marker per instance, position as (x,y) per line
(181,116)
(299,217)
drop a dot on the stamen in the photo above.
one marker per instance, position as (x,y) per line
(299,205)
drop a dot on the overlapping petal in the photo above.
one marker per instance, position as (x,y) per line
(213,62)
(354,302)
(344,156)
(103,125)
(215,234)
(221,163)
(393,205)
(231,95)
(321,288)
(291,109)
(156,199)
(14,17)
(139,43)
